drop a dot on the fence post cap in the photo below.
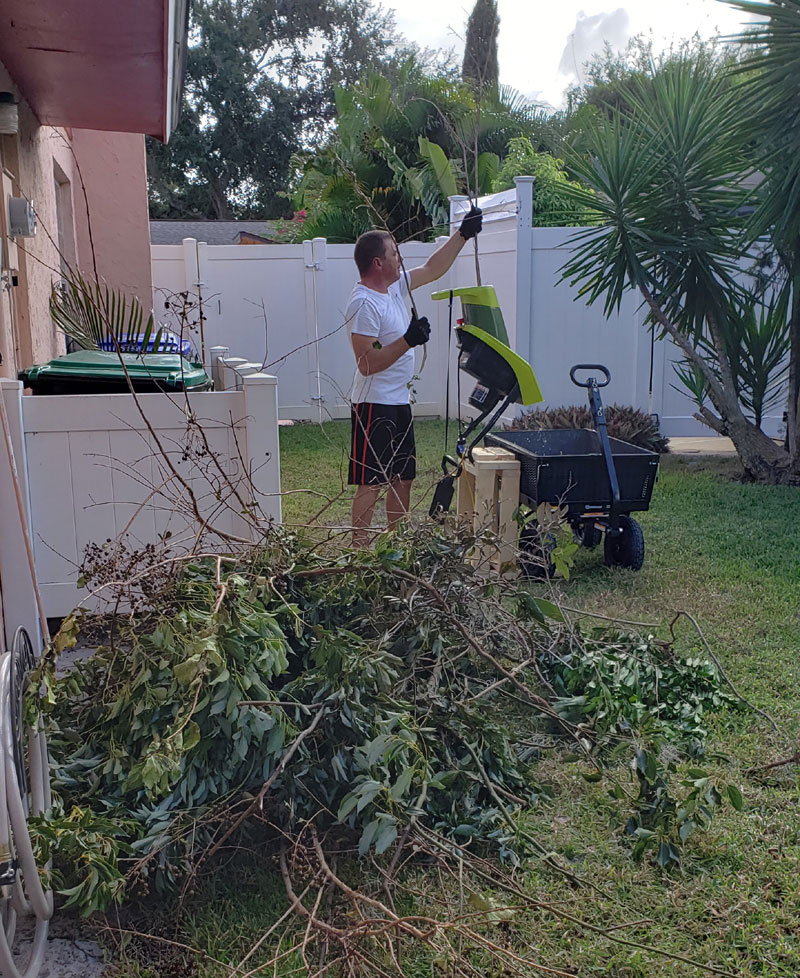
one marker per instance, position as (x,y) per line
(259,378)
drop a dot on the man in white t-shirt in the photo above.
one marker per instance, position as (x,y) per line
(383,453)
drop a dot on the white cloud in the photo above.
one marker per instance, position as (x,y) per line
(543,46)
(589,36)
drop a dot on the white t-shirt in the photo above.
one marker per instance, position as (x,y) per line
(385,317)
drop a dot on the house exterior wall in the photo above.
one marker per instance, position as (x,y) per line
(41,163)
(115,173)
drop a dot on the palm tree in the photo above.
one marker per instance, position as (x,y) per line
(400,148)
(668,188)
(772,86)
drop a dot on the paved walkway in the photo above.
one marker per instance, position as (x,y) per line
(709,445)
(69,955)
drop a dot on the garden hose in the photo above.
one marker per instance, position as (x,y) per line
(24,791)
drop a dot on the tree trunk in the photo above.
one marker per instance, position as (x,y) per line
(217,187)
(793,400)
(764,460)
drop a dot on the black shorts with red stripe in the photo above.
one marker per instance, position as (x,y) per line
(382,444)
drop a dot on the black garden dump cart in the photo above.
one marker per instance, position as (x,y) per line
(599,481)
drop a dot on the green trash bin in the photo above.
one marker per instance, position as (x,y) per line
(100,372)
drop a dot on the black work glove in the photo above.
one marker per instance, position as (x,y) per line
(472,223)
(418,332)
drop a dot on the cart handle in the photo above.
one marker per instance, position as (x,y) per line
(590,366)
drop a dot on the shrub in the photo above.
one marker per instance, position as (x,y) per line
(624,422)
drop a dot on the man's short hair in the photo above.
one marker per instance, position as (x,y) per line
(371,244)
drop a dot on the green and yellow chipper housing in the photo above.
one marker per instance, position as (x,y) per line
(504,378)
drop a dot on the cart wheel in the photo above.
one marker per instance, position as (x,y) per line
(535,549)
(626,549)
(587,534)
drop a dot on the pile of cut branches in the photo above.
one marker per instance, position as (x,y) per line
(375,705)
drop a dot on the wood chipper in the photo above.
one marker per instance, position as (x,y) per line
(503,377)
(597,481)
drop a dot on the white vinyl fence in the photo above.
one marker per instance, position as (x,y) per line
(282,307)
(92,470)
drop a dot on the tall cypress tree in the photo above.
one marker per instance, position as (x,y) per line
(480,68)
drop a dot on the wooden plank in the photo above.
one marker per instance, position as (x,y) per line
(485,497)
(508,502)
(492,456)
(465,497)
(488,495)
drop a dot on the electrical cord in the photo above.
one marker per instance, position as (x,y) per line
(24,791)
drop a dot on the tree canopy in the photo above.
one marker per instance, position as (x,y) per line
(552,206)
(259,85)
(400,148)
(671,184)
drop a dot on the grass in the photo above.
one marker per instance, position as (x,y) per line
(314,470)
(728,554)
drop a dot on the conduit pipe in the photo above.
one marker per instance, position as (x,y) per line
(24,791)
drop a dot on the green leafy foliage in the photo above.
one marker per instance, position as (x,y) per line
(662,821)
(90,847)
(627,682)
(480,67)
(624,422)
(260,78)
(401,145)
(547,538)
(552,206)
(195,707)
(769,99)
(348,691)
(667,174)
(636,686)
(757,343)
(665,183)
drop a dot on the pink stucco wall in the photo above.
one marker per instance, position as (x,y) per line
(43,164)
(115,173)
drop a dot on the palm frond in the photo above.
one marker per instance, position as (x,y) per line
(667,192)
(94,315)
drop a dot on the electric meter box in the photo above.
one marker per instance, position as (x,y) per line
(21,218)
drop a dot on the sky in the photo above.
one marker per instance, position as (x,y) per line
(542,47)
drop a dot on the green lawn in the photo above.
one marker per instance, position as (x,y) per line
(314,469)
(728,554)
